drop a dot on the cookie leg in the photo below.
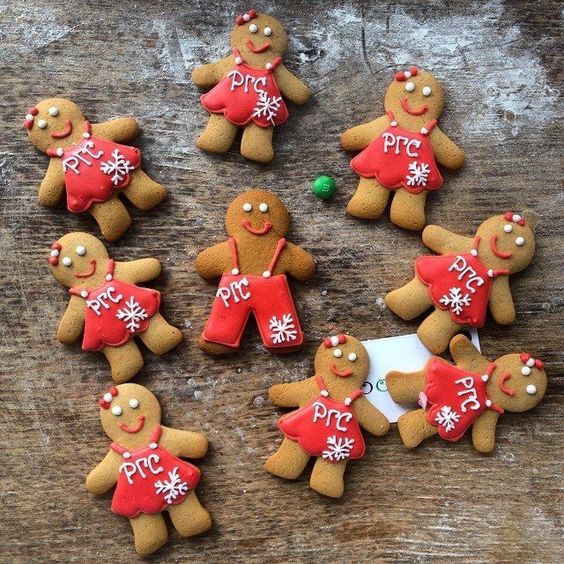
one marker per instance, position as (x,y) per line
(190,517)
(149,532)
(112,217)
(143,192)
(215,348)
(437,330)
(414,428)
(327,477)
(125,361)
(160,336)
(288,461)
(218,135)
(369,200)
(256,143)
(408,210)
(405,387)
(410,300)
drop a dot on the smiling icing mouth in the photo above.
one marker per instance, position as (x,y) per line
(263,231)
(132,429)
(496,251)
(264,47)
(405,105)
(64,132)
(503,387)
(90,272)
(341,373)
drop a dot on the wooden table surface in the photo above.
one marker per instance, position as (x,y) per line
(501,67)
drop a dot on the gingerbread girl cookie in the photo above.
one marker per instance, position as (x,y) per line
(471,274)
(107,306)
(88,161)
(144,466)
(331,411)
(400,151)
(253,264)
(248,87)
(472,393)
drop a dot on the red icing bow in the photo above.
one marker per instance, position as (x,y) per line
(529,361)
(334,341)
(404,75)
(105,401)
(514,217)
(54,255)
(31,113)
(242,20)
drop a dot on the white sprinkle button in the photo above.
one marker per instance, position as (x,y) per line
(474,252)
(334,341)
(490,273)
(84,294)
(269,66)
(153,445)
(531,362)
(54,253)
(393,123)
(424,131)
(526,371)
(531,389)
(485,378)
(516,218)
(109,277)
(324,393)
(127,454)
(246,17)
(234,271)
(238,60)
(86,135)
(29,117)
(266,274)
(348,401)
(59,152)
(407,74)
(508,228)
(338,353)
(488,403)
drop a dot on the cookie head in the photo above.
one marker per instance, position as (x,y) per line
(507,242)
(258,35)
(342,357)
(416,94)
(257,213)
(79,259)
(129,413)
(54,123)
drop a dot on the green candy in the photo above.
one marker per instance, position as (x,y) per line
(324,187)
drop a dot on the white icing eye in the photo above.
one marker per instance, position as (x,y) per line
(352,357)
(338,353)
(267,31)
(409,86)
(531,389)
(117,410)
(526,371)
(53,111)
(520,241)
(253,28)
(133,403)
(508,228)
(42,124)
(426,91)
(67,261)
(247,207)
(80,251)
(263,207)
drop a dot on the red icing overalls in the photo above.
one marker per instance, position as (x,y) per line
(456,398)
(115,311)
(400,157)
(248,94)
(151,479)
(267,297)
(94,168)
(326,427)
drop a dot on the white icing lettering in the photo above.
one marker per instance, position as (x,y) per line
(461,266)
(399,141)
(468,383)
(235,290)
(245,80)
(320,411)
(76,157)
(100,300)
(140,466)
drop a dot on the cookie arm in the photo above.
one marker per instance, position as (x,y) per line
(118,130)
(446,151)
(501,301)
(214,261)
(105,475)
(293,394)
(291,86)
(358,137)
(53,184)
(466,355)
(300,264)
(72,323)
(370,417)
(136,271)
(445,242)
(209,75)
(483,431)
(184,443)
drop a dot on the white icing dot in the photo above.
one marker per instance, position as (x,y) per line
(531,389)
(84,294)
(334,341)
(520,241)
(531,362)
(267,31)
(352,357)
(29,117)
(324,393)
(108,397)
(516,217)
(117,410)
(53,111)
(86,135)
(108,277)
(253,28)
(238,60)
(153,445)
(266,274)
(246,17)
(526,371)
(424,131)
(133,403)
(490,273)
(407,74)
(263,207)
(508,228)
(247,207)
(337,353)
(485,378)
(393,123)
(426,91)
(234,271)
(59,152)
(42,124)
(54,253)
(348,401)
(474,252)
(80,251)
(126,454)
(67,261)
(268,66)
(409,86)
(488,403)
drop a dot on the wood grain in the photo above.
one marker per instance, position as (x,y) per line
(501,66)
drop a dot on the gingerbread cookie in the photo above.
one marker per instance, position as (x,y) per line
(107,306)
(144,466)
(472,393)
(248,87)
(471,274)
(331,411)
(88,161)
(253,264)
(400,151)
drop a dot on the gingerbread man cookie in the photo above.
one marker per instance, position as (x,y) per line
(253,264)
(248,87)
(88,161)
(400,151)
(107,306)
(331,411)
(144,466)
(472,393)
(470,275)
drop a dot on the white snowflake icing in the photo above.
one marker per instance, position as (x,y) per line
(447,418)
(173,487)
(283,330)
(267,106)
(419,174)
(455,300)
(118,167)
(132,314)
(338,449)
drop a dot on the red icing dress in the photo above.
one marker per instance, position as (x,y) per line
(326,427)
(115,311)
(459,284)
(248,94)
(400,158)
(267,297)
(151,479)
(455,398)
(94,168)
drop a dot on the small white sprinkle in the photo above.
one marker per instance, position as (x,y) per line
(54,253)
(268,66)
(134,403)
(526,371)
(508,228)
(516,218)
(42,124)
(490,273)
(338,353)
(84,294)
(108,277)
(29,117)
(393,123)
(267,31)
(352,357)
(80,251)
(424,131)
(266,274)
(263,207)
(108,397)
(334,340)
(234,271)
(531,362)
(117,410)
(531,389)
(238,60)
(246,17)
(126,454)
(53,111)
(409,86)
(407,74)
(67,261)
(348,401)
(474,252)
(59,152)
(247,207)
(485,378)
(520,241)
(488,403)
(426,91)
(86,135)
(153,445)
(324,393)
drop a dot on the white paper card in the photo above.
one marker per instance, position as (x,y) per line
(405,353)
